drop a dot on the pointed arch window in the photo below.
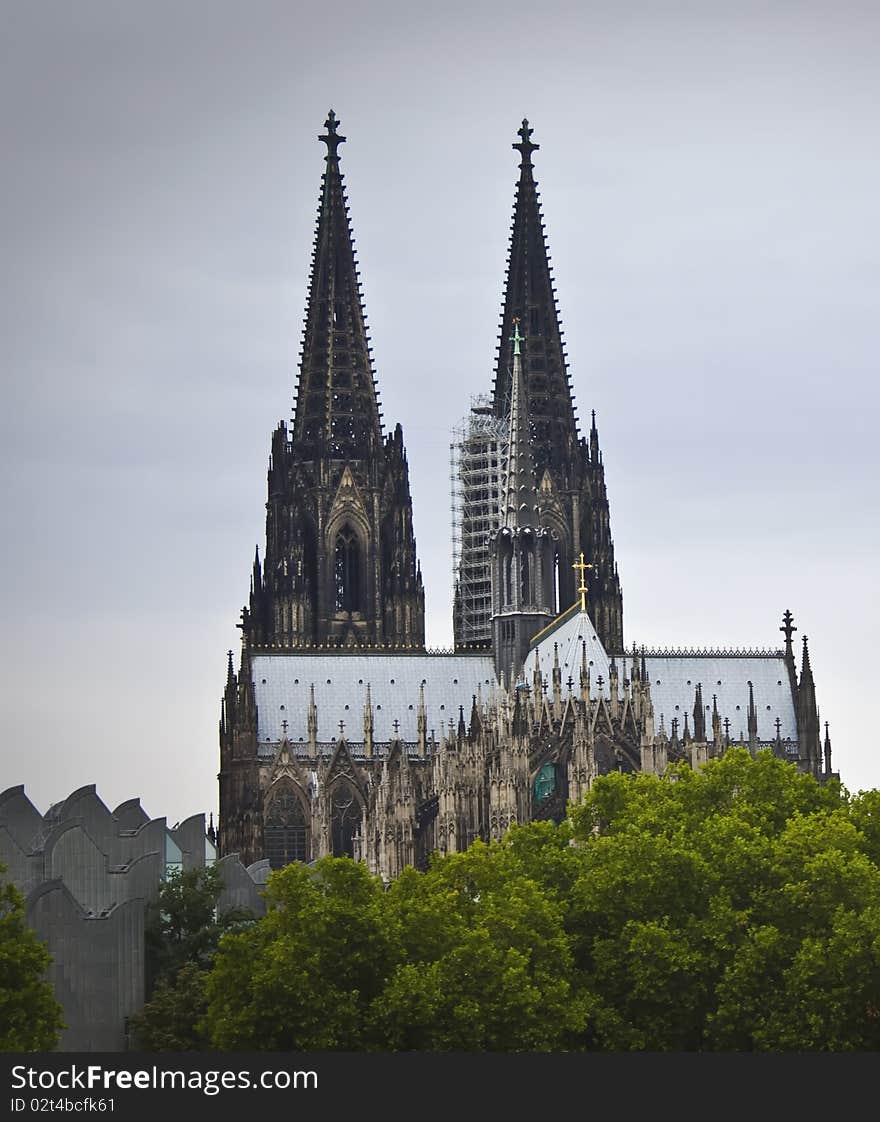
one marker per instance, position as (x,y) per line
(286,833)
(345,821)
(347,571)
(525,576)
(544,784)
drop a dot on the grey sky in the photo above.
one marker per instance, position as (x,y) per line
(709,176)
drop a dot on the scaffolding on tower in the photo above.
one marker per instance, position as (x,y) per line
(478,460)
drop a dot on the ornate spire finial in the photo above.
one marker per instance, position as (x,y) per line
(788,628)
(525,146)
(331,137)
(516,338)
(581,567)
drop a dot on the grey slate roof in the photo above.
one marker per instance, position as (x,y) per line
(570,634)
(282,683)
(674,679)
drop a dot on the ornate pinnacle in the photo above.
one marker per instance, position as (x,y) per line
(525,146)
(581,566)
(332,138)
(788,628)
(516,338)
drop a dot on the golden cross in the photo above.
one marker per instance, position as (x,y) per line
(581,566)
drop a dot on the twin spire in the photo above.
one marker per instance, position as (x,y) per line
(337,414)
(530,297)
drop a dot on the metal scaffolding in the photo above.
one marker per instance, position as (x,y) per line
(478,460)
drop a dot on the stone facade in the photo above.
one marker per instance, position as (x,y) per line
(339,732)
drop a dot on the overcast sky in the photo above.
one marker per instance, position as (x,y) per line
(709,176)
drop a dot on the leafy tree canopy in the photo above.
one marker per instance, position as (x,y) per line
(183,930)
(735,907)
(30,1017)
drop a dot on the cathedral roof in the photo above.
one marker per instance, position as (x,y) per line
(567,637)
(282,685)
(725,678)
(674,678)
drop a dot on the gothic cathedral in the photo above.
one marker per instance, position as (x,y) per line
(340,733)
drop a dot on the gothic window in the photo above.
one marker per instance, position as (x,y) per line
(286,830)
(347,571)
(345,820)
(525,576)
(545,783)
(507,589)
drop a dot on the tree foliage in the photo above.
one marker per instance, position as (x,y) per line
(30,1017)
(183,930)
(303,978)
(736,907)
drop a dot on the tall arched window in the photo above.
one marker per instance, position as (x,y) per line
(347,571)
(286,830)
(525,559)
(544,784)
(345,820)
(507,589)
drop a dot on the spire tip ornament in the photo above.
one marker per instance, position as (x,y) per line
(331,137)
(525,146)
(581,567)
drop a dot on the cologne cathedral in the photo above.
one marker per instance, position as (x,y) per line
(340,732)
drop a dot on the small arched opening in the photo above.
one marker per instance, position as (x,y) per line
(347,570)
(345,820)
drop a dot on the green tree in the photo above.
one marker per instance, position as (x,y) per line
(734,907)
(183,930)
(30,1017)
(485,961)
(303,977)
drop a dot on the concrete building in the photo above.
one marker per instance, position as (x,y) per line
(87,874)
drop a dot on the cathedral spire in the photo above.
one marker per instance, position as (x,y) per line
(520,501)
(530,297)
(337,412)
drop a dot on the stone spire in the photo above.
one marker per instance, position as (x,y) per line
(520,508)
(752,721)
(340,567)
(699,715)
(522,552)
(809,747)
(337,409)
(530,297)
